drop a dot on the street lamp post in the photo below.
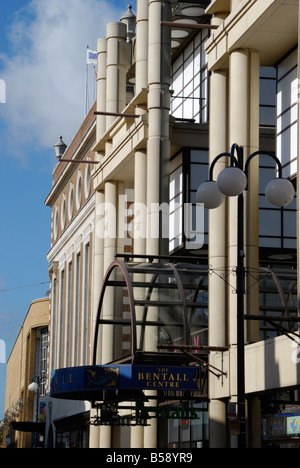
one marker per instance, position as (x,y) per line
(34,387)
(233,181)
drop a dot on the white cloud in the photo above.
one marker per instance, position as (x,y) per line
(45,74)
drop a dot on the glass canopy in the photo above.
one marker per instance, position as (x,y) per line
(152,309)
(156,306)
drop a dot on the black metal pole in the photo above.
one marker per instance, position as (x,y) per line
(36,379)
(240,318)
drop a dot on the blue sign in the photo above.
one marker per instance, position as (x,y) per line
(84,383)
(164,377)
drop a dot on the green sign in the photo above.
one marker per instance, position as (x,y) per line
(183,411)
(109,415)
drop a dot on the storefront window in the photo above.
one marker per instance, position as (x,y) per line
(190,433)
(77,438)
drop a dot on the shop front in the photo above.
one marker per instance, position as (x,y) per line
(282,431)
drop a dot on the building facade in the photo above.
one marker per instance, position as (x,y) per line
(27,363)
(72,201)
(162,272)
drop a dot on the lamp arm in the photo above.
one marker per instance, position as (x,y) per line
(268,153)
(237,162)
(229,155)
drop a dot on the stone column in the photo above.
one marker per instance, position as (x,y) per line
(141,48)
(158,149)
(107,335)
(244,130)
(140,224)
(109,257)
(140,170)
(217,248)
(116,70)
(97,284)
(101,88)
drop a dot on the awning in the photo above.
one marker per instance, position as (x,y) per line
(86,382)
(28,426)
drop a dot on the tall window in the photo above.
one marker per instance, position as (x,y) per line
(287,113)
(267,97)
(68,325)
(44,361)
(188,224)
(41,358)
(190,82)
(86,311)
(176,203)
(277,226)
(61,319)
(77,310)
(53,323)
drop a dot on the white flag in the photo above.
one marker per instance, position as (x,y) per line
(2,92)
(91,56)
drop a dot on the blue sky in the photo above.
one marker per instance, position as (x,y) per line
(43,64)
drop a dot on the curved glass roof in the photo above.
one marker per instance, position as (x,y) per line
(162,307)
(156,306)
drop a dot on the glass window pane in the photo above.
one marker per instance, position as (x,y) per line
(289,224)
(176,180)
(199,156)
(188,70)
(289,243)
(270,223)
(269,242)
(267,116)
(268,72)
(177,82)
(188,108)
(188,73)
(267,92)
(265,175)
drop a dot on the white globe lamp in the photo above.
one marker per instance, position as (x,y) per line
(33,387)
(280,192)
(209,194)
(232,181)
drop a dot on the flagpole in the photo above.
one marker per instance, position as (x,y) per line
(86,86)
(95,84)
